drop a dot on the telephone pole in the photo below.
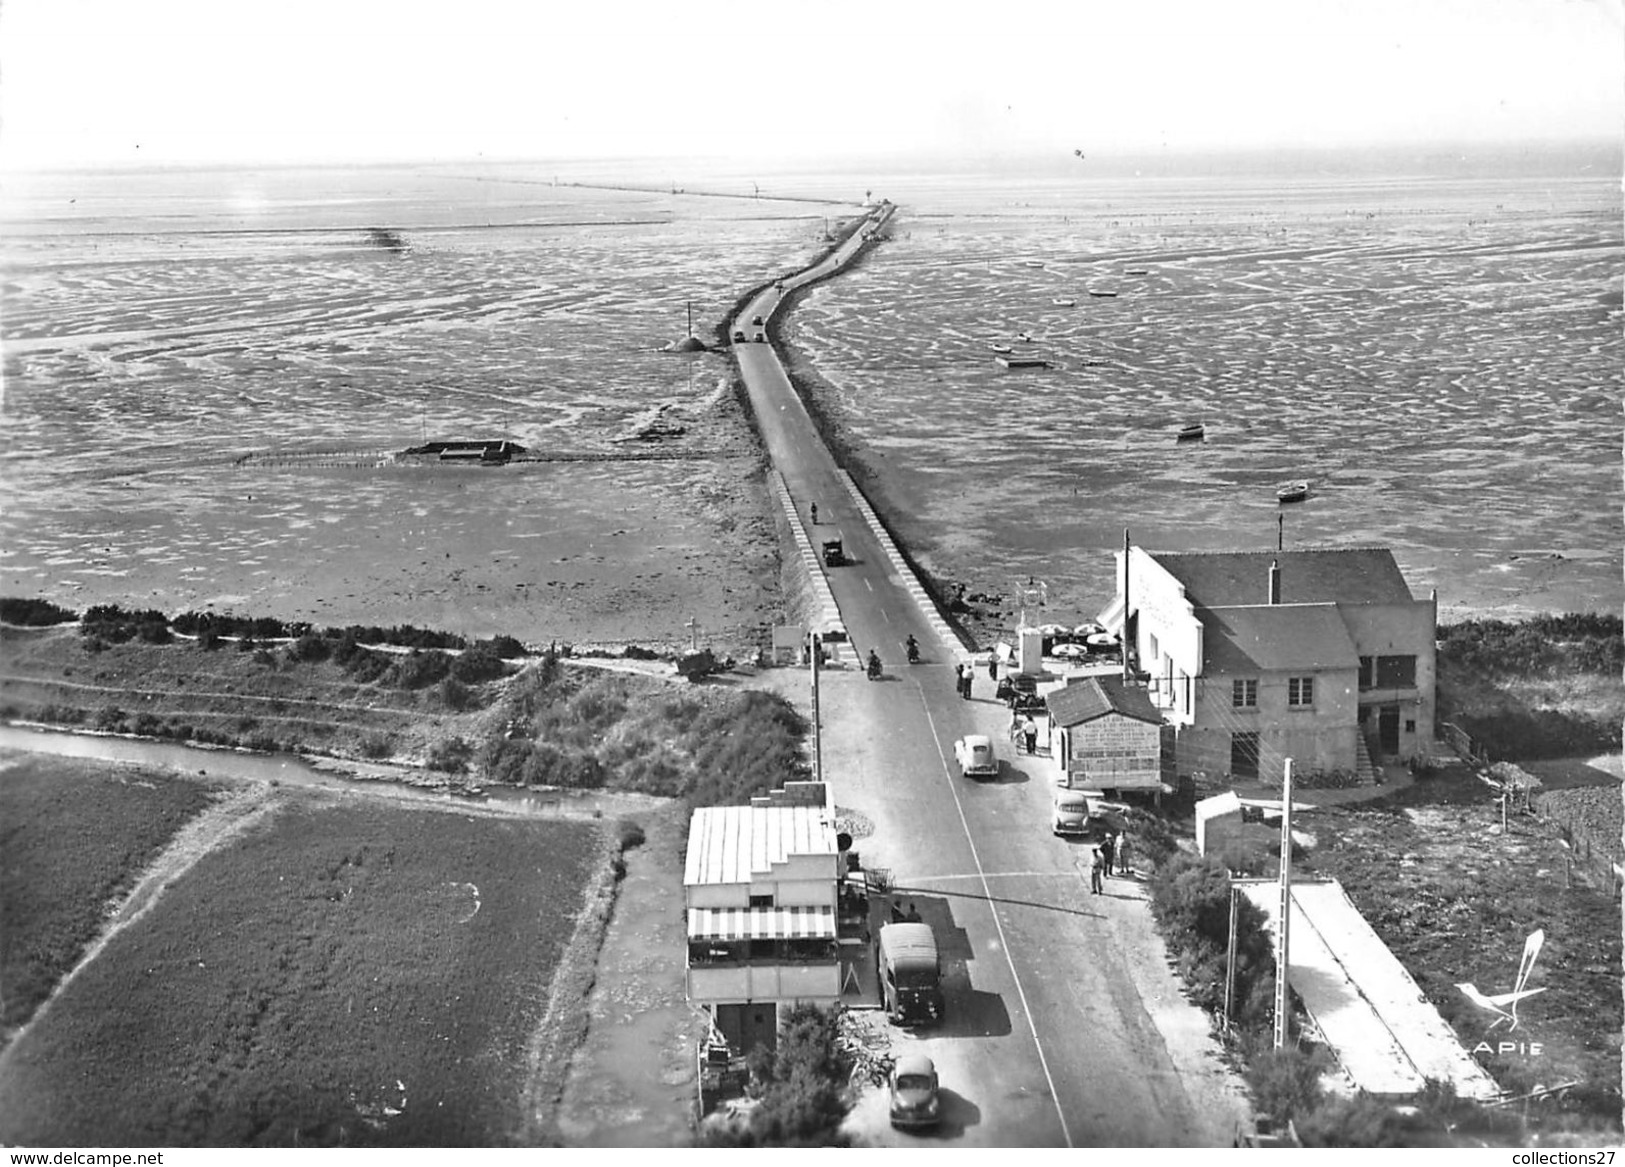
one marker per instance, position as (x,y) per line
(818,730)
(1281,933)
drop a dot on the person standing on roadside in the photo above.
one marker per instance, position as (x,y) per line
(965,683)
(1120,856)
(1029,730)
(1096,865)
(1108,846)
(959,679)
(993,668)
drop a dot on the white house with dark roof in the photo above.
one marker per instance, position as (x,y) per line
(1258,656)
(760,885)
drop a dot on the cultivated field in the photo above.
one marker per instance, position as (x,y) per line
(344,973)
(74,838)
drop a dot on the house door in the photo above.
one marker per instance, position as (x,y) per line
(1244,755)
(1388,729)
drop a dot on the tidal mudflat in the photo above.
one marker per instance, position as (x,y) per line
(1440,358)
(204,371)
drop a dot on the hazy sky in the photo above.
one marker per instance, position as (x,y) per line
(119,81)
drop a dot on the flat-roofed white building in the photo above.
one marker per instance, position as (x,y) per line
(760,885)
(1259,656)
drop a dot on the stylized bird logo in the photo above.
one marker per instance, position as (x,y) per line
(1494,1003)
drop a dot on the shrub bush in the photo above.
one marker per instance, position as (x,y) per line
(1285,1082)
(376,745)
(450,756)
(34,613)
(418,670)
(452,694)
(629,834)
(803,1099)
(479,664)
(1190,897)
(310,648)
(110,719)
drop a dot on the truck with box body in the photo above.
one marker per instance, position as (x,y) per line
(910,974)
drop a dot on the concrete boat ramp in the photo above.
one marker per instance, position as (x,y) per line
(1384,1033)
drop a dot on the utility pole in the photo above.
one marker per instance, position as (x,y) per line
(1280,532)
(1230,961)
(818,730)
(1124,645)
(1282,945)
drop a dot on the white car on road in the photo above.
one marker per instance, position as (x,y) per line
(974,753)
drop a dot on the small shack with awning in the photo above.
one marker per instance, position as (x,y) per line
(1106,735)
(760,884)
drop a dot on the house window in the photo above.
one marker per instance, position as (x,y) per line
(1300,692)
(1396,672)
(1410,725)
(1151,643)
(1368,672)
(761,901)
(1244,694)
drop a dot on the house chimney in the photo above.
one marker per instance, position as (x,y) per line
(1275,581)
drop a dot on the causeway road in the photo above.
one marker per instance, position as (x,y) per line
(1064,1025)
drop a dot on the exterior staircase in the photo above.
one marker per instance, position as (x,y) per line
(1367,771)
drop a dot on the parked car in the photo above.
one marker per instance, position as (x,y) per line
(914,1100)
(974,753)
(739,337)
(755,319)
(1070,813)
(761,337)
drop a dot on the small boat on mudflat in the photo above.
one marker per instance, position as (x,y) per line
(1296,492)
(1060,303)
(1138,271)
(1191,433)
(1000,348)
(1101,295)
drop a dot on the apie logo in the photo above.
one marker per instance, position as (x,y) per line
(1505,1005)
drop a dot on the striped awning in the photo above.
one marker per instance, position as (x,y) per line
(808,923)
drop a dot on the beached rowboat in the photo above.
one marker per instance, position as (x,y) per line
(1191,433)
(1297,492)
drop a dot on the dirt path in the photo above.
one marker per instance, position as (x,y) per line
(230,816)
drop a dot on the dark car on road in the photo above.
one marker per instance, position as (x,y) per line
(914,1101)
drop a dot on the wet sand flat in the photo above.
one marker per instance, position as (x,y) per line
(1442,360)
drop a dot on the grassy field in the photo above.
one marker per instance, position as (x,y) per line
(74,837)
(1547,687)
(1455,899)
(347,974)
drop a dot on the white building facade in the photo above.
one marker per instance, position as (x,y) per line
(760,884)
(1255,657)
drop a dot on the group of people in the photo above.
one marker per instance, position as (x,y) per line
(1110,853)
(963,676)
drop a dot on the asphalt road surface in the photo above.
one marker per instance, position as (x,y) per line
(1064,1025)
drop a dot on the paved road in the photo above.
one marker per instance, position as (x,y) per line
(1064,1026)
